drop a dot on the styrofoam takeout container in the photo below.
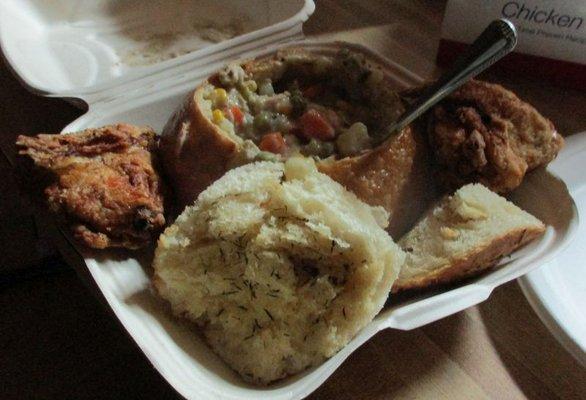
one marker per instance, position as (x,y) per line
(42,41)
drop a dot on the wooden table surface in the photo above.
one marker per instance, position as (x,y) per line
(58,342)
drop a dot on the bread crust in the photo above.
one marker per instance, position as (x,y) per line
(194,151)
(395,175)
(474,263)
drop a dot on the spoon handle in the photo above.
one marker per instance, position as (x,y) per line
(498,39)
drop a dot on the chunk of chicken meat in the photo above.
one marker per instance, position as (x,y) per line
(484,133)
(106,184)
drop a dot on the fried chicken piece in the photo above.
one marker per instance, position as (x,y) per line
(484,133)
(105,185)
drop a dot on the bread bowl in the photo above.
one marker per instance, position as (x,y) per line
(327,103)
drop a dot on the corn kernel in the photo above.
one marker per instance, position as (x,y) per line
(220,96)
(250,85)
(217,116)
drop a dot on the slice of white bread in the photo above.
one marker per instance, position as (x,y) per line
(463,235)
(279,265)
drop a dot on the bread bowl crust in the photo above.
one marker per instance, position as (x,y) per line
(196,152)
(395,175)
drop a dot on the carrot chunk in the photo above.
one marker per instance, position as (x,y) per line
(273,142)
(315,125)
(237,114)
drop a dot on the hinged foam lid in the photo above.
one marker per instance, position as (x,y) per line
(89,48)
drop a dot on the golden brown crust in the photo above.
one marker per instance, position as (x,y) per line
(396,176)
(195,152)
(473,264)
(533,137)
(104,182)
(484,133)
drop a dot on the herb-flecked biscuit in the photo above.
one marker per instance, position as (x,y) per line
(278,265)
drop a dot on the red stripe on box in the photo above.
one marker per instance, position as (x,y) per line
(562,73)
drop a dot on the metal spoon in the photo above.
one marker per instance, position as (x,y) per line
(497,40)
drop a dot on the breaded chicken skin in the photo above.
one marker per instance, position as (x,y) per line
(105,184)
(484,133)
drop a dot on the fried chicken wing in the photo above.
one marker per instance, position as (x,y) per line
(484,133)
(106,184)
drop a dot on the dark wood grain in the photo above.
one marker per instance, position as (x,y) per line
(58,342)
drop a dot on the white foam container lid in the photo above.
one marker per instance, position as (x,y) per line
(73,49)
(98,49)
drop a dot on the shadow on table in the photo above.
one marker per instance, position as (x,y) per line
(539,365)
(392,364)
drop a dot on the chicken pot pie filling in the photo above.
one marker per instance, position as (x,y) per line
(320,106)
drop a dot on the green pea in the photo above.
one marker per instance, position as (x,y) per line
(318,148)
(262,121)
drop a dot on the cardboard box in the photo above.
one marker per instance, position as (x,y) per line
(552,36)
